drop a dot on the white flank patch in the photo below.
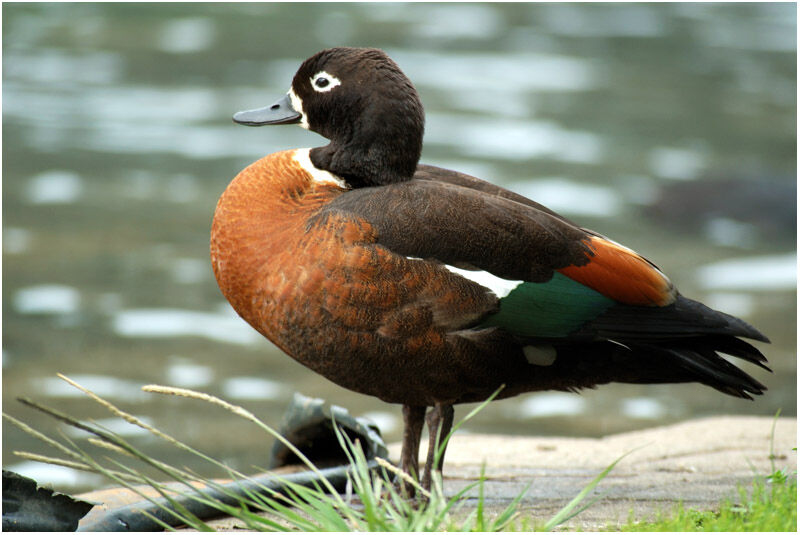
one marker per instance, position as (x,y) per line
(297,104)
(332,82)
(540,355)
(500,287)
(320,176)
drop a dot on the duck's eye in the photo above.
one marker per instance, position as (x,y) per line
(323,81)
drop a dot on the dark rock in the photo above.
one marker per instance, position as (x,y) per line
(308,425)
(29,507)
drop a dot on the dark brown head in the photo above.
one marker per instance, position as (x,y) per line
(362,102)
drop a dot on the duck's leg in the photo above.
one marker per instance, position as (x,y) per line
(440,421)
(413,420)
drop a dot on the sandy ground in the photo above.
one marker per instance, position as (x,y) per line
(699,463)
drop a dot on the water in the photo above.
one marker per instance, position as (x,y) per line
(669,127)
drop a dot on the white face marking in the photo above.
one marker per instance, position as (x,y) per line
(322,82)
(297,104)
(320,176)
(540,355)
(500,287)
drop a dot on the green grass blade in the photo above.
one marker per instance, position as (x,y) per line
(569,510)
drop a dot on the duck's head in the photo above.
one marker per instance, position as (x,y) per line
(362,102)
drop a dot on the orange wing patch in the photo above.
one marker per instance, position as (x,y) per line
(620,274)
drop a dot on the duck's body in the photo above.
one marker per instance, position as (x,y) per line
(426,287)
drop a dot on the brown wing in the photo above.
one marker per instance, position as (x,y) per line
(440,174)
(464,226)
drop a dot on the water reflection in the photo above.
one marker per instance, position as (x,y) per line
(490,137)
(108,387)
(678,164)
(669,127)
(16,240)
(643,408)
(239,388)
(57,476)
(185,373)
(117,426)
(570,198)
(737,304)
(55,187)
(773,272)
(47,299)
(169,323)
(183,36)
(551,404)
(499,75)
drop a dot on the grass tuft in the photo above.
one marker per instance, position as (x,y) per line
(371,500)
(769,505)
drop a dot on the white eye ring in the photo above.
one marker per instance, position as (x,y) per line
(322,82)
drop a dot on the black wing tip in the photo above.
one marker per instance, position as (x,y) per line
(744,386)
(746,393)
(763,366)
(761,337)
(745,330)
(735,347)
(721,322)
(709,368)
(753,387)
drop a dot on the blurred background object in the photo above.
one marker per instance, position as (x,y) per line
(671,127)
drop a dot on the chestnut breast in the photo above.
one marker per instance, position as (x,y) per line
(323,290)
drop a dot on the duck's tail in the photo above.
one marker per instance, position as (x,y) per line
(700,360)
(682,342)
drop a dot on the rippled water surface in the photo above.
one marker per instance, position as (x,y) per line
(669,127)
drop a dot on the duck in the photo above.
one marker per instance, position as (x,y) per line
(427,287)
